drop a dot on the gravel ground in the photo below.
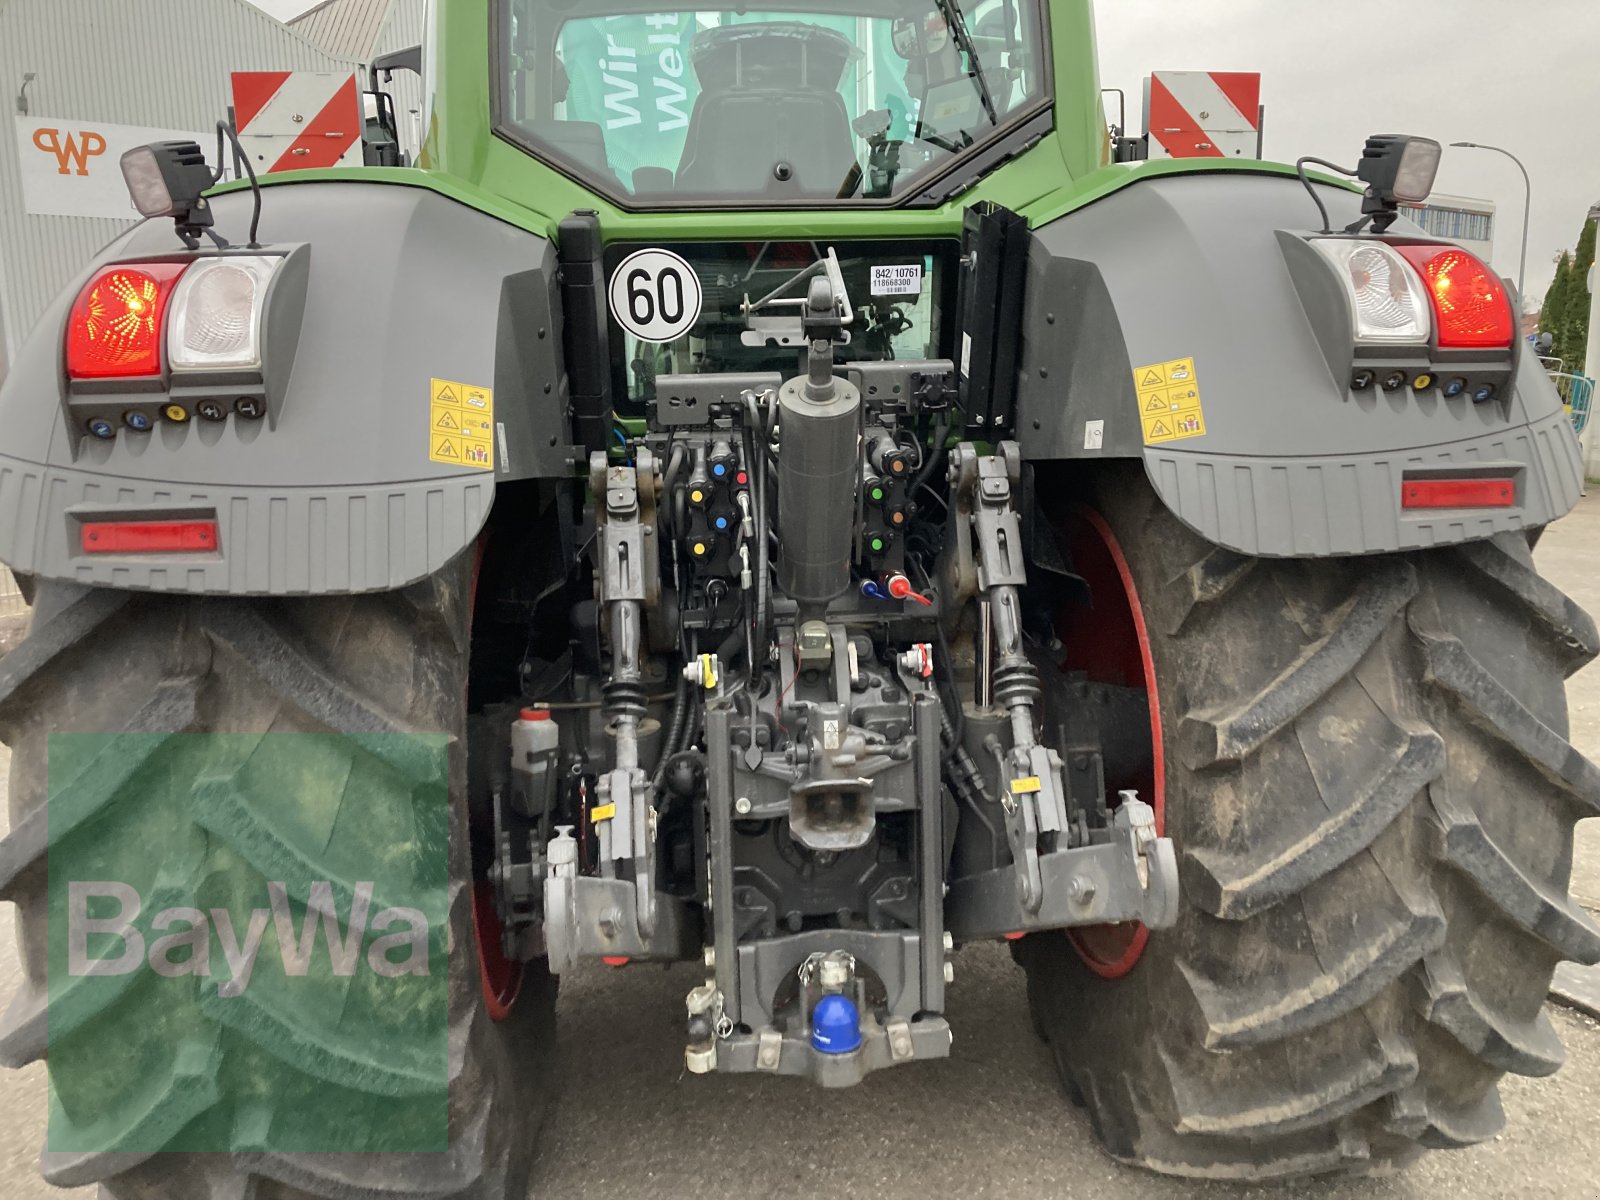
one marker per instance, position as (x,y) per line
(988,1122)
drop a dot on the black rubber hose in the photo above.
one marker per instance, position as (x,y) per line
(759,465)
(733,643)
(936,455)
(680,715)
(674,465)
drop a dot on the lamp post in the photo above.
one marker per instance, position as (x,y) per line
(1527,213)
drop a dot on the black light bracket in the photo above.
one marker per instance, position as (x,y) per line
(1397,169)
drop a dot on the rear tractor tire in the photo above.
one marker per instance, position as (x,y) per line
(1368,779)
(110,662)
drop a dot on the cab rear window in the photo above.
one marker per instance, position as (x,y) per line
(781,106)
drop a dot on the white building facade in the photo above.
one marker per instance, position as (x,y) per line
(1458,219)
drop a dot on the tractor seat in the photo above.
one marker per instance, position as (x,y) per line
(582,141)
(770,99)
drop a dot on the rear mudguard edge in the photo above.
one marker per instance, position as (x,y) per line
(335,493)
(1291,464)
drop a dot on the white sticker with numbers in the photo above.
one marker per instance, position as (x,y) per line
(897,281)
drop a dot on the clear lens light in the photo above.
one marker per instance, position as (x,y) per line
(216,314)
(1419,167)
(1390,304)
(146,184)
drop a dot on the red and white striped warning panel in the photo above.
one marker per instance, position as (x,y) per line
(1203,114)
(297,120)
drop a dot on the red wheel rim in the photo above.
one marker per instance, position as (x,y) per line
(500,978)
(1110,643)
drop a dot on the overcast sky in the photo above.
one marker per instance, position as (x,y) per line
(1522,74)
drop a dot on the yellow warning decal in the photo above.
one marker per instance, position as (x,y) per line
(602,812)
(1169,401)
(461,425)
(1026,786)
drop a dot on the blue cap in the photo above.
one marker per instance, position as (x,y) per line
(722,522)
(835,1025)
(719,469)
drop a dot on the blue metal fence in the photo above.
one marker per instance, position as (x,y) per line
(1577,394)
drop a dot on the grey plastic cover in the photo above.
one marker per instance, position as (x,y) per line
(335,492)
(1291,463)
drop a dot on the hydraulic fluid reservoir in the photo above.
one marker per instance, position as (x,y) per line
(818,466)
(535,762)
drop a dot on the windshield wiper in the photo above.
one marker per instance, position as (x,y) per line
(957,21)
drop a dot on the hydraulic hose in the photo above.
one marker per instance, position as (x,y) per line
(759,466)
(936,454)
(680,717)
(674,465)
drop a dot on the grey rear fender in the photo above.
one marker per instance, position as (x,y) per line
(1279,457)
(335,488)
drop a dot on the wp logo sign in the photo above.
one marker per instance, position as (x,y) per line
(69,164)
(72,151)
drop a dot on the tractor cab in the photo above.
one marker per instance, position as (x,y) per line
(802,105)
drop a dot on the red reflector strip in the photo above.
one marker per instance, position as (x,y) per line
(149,537)
(1458,493)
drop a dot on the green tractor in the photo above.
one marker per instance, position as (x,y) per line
(835,510)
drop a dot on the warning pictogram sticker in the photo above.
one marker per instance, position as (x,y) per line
(1170,408)
(461,425)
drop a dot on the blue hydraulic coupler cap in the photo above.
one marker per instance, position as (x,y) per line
(835,1026)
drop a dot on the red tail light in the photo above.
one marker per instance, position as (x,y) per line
(1458,493)
(1470,303)
(149,537)
(116,327)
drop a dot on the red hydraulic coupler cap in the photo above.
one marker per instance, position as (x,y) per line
(899,588)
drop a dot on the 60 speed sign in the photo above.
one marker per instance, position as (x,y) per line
(656,296)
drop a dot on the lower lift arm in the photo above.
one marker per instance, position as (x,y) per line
(1121,871)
